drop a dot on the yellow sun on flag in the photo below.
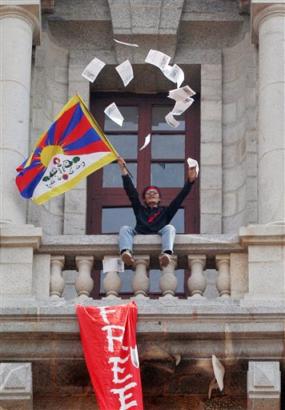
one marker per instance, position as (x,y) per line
(48,152)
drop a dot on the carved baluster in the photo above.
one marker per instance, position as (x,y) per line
(56,279)
(197,282)
(141,279)
(224,278)
(83,282)
(112,280)
(168,280)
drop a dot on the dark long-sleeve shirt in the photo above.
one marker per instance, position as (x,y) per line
(151,220)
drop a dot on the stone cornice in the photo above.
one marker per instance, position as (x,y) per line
(29,13)
(20,236)
(261,11)
(262,235)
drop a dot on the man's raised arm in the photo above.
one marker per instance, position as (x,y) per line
(128,184)
(176,202)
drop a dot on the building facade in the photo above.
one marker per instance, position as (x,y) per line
(224,291)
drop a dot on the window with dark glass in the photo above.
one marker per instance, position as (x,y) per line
(161,163)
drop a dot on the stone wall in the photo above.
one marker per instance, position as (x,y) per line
(211,148)
(217,39)
(49,94)
(239,135)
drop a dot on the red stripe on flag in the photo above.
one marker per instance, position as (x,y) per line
(62,122)
(24,180)
(81,128)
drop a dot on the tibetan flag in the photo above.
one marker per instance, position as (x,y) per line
(108,337)
(72,148)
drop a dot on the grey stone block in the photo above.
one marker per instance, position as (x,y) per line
(16,390)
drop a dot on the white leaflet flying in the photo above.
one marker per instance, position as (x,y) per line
(181,106)
(174,73)
(193,163)
(158,59)
(146,142)
(111,264)
(114,114)
(126,44)
(92,70)
(219,371)
(125,71)
(181,94)
(171,121)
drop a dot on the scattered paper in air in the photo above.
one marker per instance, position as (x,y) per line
(126,44)
(92,70)
(158,59)
(193,163)
(111,264)
(181,106)
(181,94)
(171,121)
(114,114)
(125,71)
(146,142)
(174,73)
(219,371)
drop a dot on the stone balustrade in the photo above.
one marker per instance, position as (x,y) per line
(194,257)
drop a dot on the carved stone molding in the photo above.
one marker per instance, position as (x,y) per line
(262,10)
(30,13)
(16,386)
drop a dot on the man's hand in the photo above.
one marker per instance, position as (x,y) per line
(192,174)
(122,165)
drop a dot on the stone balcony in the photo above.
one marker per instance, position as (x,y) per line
(233,306)
(195,253)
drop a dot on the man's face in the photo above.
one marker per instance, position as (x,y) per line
(152,198)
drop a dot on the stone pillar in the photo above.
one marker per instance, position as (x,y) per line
(197,282)
(266,262)
(112,282)
(56,278)
(84,282)
(16,389)
(17,275)
(224,275)
(18,26)
(263,386)
(268,21)
(168,279)
(141,279)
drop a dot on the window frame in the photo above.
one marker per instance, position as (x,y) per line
(99,197)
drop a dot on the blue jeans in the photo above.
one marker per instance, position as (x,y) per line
(127,233)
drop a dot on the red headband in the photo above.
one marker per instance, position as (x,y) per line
(148,188)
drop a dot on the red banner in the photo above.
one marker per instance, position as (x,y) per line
(108,336)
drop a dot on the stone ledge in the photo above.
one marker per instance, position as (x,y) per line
(20,236)
(189,330)
(101,245)
(269,234)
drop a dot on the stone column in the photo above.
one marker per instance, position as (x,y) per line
(141,279)
(84,282)
(263,386)
(18,27)
(266,262)
(268,21)
(197,282)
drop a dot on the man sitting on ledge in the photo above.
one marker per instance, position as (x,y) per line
(151,218)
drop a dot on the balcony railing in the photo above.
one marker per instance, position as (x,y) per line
(194,254)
